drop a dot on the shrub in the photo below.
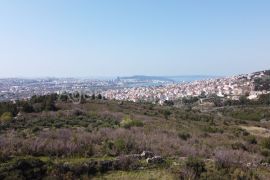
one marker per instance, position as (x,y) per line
(247,115)
(184,136)
(127,122)
(115,148)
(264,99)
(187,174)
(36,129)
(227,158)
(243,174)
(127,163)
(211,129)
(196,165)
(266,160)
(265,152)
(240,132)
(120,145)
(8,107)
(239,146)
(167,114)
(168,103)
(251,139)
(3,158)
(23,168)
(6,117)
(266,143)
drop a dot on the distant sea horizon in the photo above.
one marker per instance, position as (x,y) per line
(175,78)
(166,79)
(192,78)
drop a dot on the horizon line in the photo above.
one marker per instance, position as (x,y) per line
(105,76)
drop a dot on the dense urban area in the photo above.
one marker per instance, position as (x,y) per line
(137,89)
(230,88)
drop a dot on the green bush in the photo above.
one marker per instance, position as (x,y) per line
(238,146)
(243,174)
(247,114)
(184,136)
(127,122)
(6,117)
(196,165)
(108,148)
(251,139)
(211,129)
(23,168)
(120,145)
(266,143)
(240,132)
(115,148)
(265,152)
(127,163)
(167,114)
(35,129)
(266,160)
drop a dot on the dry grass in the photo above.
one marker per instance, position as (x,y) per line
(257,131)
(155,174)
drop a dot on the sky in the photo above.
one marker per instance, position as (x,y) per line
(90,38)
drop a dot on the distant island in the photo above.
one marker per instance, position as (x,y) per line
(167,78)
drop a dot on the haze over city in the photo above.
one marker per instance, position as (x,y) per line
(122,38)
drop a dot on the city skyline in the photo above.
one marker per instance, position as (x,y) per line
(125,38)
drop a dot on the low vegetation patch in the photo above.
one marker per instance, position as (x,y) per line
(104,139)
(257,131)
(127,122)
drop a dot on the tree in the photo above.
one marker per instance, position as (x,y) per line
(99,96)
(93,97)
(27,107)
(168,103)
(203,94)
(8,107)
(216,100)
(264,99)
(267,72)
(266,143)
(49,105)
(64,97)
(262,84)
(167,113)
(243,100)
(190,100)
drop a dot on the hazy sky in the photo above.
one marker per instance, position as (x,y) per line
(128,37)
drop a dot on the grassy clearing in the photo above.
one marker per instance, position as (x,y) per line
(257,131)
(154,174)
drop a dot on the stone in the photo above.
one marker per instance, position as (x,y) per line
(155,160)
(147,154)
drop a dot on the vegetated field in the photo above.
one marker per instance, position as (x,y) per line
(104,139)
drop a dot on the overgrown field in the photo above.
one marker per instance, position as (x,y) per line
(104,139)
